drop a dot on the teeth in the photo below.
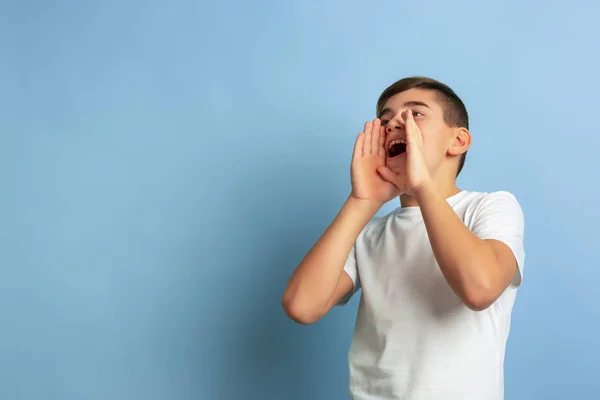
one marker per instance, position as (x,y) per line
(393,142)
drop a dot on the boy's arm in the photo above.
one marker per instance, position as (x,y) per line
(319,282)
(478,271)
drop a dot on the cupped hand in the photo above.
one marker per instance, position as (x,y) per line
(368,157)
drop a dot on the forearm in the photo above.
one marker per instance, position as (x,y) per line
(313,282)
(468,263)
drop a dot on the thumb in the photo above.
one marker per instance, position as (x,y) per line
(389,176)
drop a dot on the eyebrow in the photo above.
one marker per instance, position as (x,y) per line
(407,104)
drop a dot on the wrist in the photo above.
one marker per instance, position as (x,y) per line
(424,191)
(368,208)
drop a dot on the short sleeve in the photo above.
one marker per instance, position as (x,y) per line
(499,216)
(352,270)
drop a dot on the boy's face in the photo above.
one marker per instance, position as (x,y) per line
(439,140)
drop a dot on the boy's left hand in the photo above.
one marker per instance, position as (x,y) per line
(417,174)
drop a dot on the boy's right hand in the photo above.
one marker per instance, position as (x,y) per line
(369,154)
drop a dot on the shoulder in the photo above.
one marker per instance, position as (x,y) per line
(500,207)
(375,227)
(376,224)
(478,201)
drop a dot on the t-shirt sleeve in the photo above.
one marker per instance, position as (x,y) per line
(351,269)
(499,216)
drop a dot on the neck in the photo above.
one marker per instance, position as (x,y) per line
(447,189)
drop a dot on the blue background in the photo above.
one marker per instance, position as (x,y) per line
(165,165)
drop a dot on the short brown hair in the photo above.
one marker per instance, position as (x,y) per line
(455,112)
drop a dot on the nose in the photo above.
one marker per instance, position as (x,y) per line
(397,122)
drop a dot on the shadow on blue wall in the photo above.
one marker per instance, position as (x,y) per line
(261,353)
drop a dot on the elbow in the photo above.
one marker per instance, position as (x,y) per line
(479,292)
(478,299)
(300,313)
(477,305)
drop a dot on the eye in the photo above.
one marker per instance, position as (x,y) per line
(417,114)
(384,122)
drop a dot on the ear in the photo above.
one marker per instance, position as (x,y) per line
(461,141)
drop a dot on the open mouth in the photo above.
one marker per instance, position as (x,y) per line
(396,148)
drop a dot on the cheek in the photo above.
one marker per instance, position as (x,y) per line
(433,139)
(427,133)
(434,146)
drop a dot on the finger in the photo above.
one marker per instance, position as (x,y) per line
(375,136)
(409,125)
(358,146)
(368,132)
(381,144)
(413,133)
(389,176)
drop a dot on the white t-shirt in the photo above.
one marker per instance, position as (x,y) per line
(414,338)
